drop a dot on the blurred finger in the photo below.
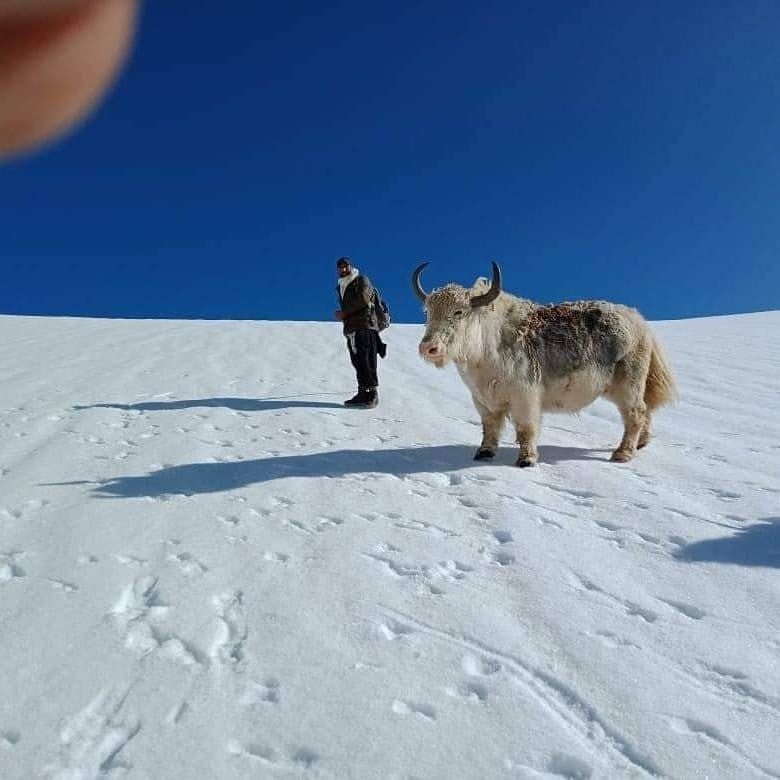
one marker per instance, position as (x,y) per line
(57,57)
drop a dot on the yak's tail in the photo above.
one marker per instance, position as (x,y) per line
(660,388)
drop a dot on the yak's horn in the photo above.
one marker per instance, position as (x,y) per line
(492,293)
(418,290)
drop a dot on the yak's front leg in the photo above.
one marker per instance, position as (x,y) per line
(492,425)
(527,415)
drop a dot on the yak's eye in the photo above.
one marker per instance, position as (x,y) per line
(458,314)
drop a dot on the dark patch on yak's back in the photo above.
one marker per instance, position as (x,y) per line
(567,337)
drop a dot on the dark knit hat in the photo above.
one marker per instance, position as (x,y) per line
(343,261)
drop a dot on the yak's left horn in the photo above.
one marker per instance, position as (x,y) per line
(492,293)
(418,290)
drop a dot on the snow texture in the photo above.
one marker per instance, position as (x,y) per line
(211,569)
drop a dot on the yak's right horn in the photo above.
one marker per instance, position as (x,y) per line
(492,293)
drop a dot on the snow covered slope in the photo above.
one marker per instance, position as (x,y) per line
(210,569)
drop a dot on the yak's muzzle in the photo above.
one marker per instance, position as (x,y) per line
(430,350)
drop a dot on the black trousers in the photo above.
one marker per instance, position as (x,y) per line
(362,345)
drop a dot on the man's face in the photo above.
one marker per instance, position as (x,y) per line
(343,269)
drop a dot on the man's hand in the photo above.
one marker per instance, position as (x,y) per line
(57,58)
(338,314)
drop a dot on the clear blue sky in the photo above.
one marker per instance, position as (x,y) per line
(618,150)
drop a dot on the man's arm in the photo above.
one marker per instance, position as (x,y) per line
(362,298)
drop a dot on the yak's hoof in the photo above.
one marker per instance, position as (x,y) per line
(525,463)
(642,443)
(483,453)
(621,456)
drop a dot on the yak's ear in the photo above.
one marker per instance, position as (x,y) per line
(495,289)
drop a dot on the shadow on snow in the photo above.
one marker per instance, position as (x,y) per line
(196,478)
(237,404)
(755,545)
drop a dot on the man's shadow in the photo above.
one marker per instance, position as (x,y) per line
(198,478)
(754,545)
(237,404)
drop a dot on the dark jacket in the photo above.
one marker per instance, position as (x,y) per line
(357,305)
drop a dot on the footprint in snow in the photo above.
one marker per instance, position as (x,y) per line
(502,558)
(67,587)
(584,495)
(634,610)
(411,708)
(275,557)
(468,689)
(452,570)
(429,528)
(266,692)
(253,751)
(480,666)
(9,568)
(392,629)
(724,495)
(613,640)
(92,739)
(570,767)
(188,564)
(546,521)
(303,757)
(694,613)
(326,523)
(130,560)
(228,645)
(485,478)
(607,526)
(176,713)
(9,739)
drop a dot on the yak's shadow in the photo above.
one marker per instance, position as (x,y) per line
(755,545)
(237,404)
(195,478)
(552,453)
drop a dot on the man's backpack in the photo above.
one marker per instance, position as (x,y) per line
(381,309)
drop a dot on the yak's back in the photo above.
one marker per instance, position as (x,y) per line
(566,337)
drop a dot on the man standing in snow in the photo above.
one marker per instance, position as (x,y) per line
(357,314)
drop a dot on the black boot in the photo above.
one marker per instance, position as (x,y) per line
(371,398)
(358,399)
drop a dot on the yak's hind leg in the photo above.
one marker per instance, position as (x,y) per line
(492,425)
(647,431)
(627,391)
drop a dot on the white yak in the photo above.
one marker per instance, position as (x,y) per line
(520,359)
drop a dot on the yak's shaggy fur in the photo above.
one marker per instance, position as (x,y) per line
(520,359)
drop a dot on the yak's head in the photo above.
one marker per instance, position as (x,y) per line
(450,313)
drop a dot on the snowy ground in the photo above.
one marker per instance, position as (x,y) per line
(210,569)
